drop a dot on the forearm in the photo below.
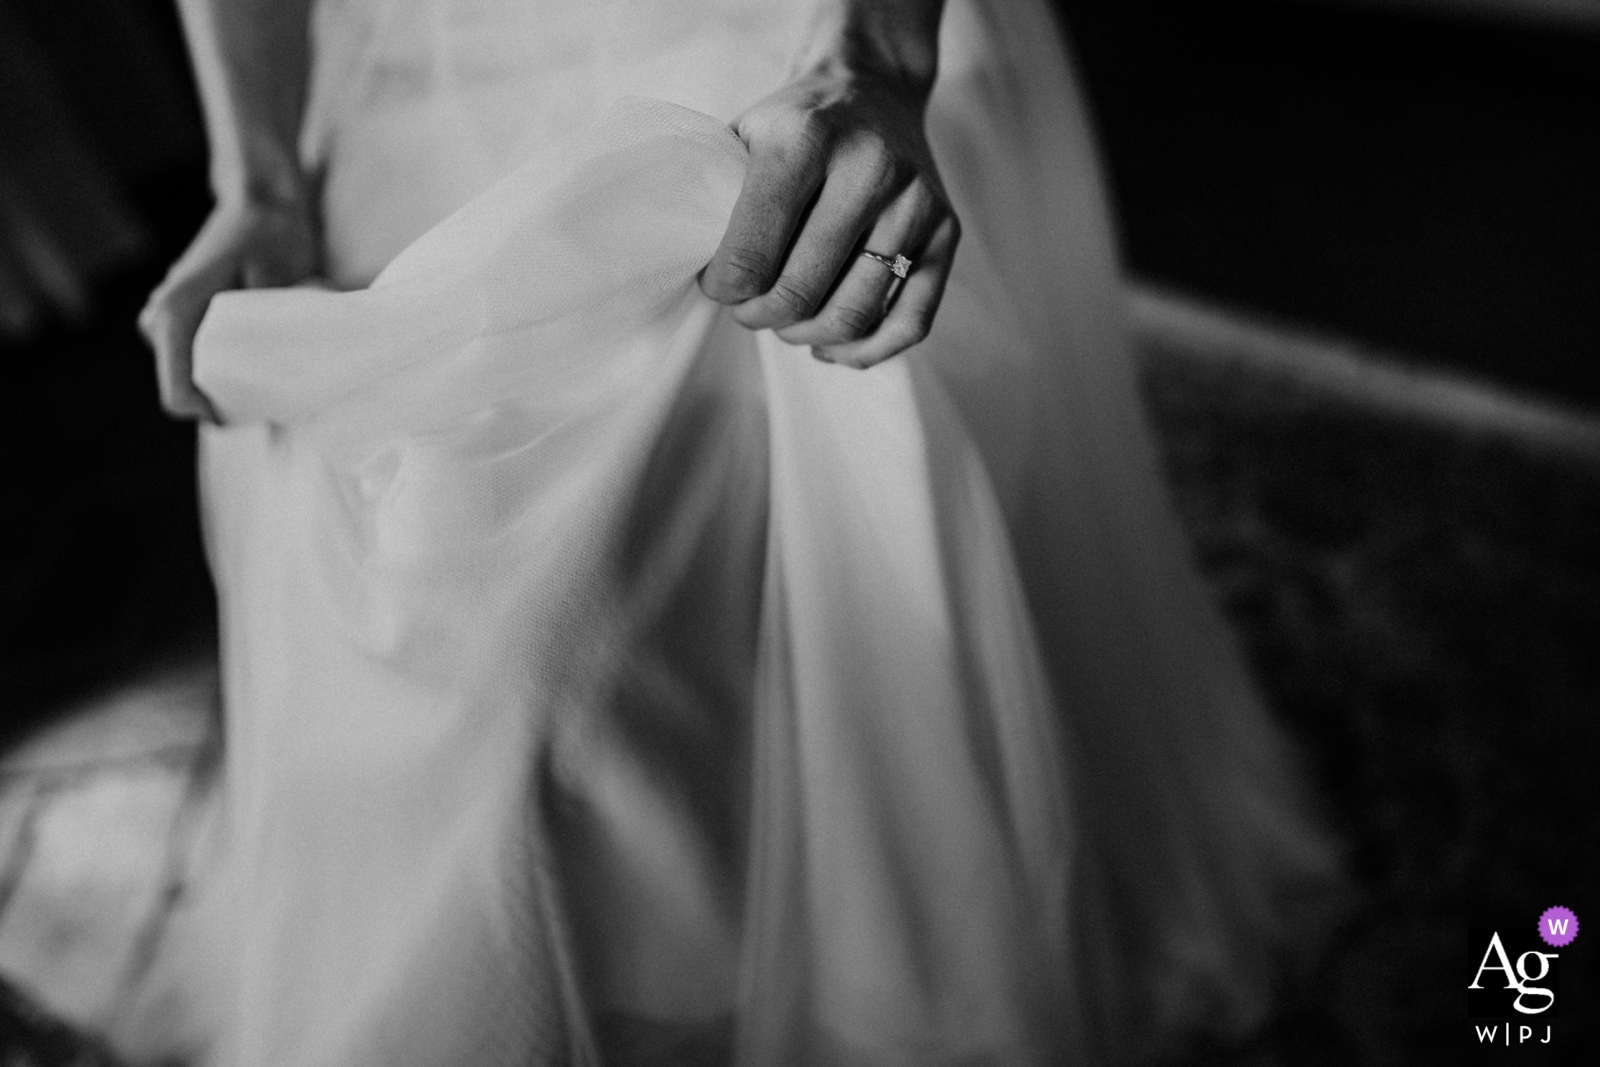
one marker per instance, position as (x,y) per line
(898,39)
(252,60)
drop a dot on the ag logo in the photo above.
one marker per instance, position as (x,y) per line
(1512,975)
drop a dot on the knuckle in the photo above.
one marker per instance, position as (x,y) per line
(851,321)
(926,188)
(881,174)
(787,132)
(877,164)
(806,128)
(793,300)
(930,206)
(741,273)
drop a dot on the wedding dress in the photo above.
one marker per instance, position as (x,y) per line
(605,683)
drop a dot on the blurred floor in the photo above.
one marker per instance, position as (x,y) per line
(102,817)
(1413,563)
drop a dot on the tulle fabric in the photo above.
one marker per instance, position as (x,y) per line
(605,683)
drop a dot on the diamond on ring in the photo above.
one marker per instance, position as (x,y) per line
(899,266)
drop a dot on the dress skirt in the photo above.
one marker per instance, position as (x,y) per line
(607,684)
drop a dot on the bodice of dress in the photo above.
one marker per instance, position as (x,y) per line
(467,90)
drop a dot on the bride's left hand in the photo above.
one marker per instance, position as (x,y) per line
(839,164)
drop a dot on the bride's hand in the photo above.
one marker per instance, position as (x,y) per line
(243,245)
(839,164)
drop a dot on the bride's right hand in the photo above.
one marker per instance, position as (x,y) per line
(243,245)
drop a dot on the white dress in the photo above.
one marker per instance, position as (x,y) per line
(608,684)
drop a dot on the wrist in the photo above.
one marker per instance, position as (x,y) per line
(890,41)
(256,171)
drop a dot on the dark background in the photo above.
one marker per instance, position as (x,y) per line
(1424,611)
(1426,183)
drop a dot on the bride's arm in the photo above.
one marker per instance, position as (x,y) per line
(840,164)
(252,60)
(252,63)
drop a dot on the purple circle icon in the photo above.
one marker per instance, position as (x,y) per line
(1558,926)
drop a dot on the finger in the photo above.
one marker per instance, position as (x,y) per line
(853,310)
(778,188)
(199,272)
(861,297)
(175,368)
(854,194)
(169,322)
(911,315)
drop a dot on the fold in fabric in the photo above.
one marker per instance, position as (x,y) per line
(593,666)
(474,428)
